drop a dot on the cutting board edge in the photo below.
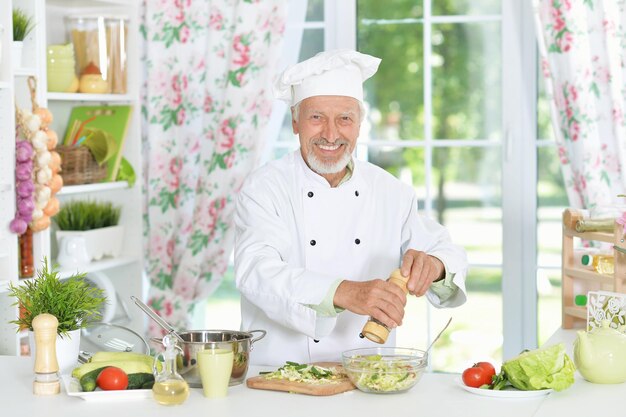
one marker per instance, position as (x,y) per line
(259,382)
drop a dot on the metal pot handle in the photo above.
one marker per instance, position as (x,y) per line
(256,339)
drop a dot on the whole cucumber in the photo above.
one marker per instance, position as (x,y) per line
(138,380)
(88,381)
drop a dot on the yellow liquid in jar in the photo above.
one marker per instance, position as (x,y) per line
(604,265)
(170,392)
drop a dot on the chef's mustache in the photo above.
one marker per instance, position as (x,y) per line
(324,142)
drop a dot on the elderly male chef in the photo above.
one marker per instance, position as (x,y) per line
(318,232)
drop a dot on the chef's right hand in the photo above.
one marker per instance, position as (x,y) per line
(379,299)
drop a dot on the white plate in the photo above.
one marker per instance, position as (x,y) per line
(73,389)
(508,392)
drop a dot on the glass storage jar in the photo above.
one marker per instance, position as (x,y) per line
(100,48)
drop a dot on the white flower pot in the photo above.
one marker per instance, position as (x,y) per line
(103,242)
(16,54)
(67,349)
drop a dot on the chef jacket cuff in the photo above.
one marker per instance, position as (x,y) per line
(446,288)
(327,308)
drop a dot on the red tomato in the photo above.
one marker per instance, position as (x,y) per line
(112,378)
(487,367)
(475,377)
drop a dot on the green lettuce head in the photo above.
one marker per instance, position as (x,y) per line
(549,367)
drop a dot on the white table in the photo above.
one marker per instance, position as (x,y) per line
(435,395)
(583,398)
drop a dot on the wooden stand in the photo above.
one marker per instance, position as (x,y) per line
(572,315)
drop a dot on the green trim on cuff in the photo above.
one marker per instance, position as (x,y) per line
(445,288)
(326,308)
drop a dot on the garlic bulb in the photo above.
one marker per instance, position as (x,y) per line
(40,141)
(32,121)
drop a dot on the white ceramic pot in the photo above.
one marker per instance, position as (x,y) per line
(103,242)
(73,252)
(67,348)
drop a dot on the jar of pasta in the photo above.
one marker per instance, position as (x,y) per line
(100,46)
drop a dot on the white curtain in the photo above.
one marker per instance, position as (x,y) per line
(583,59)
(207,98)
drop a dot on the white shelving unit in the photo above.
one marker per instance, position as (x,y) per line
(92,188)
(77,97)
(126,273)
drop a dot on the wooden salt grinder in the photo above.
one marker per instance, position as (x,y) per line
(46,365)
(375,330)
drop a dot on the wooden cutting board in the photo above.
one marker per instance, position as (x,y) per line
(259,382)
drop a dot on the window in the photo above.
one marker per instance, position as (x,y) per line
(436,123)
(471,135)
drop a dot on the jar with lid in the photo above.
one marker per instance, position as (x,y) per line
(100,47)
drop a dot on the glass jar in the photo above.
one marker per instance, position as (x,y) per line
(27,265)
(100,47)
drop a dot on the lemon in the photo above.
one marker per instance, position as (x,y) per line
(101,144)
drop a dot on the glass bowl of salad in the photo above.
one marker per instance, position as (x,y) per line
(384,370)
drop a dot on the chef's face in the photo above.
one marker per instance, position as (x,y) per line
(328,127)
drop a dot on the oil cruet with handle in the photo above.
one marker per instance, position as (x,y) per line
(169,387)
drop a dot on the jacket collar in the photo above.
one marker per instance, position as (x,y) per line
(311,176)
(314,177)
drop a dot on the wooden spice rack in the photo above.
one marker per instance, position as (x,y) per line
(572,315)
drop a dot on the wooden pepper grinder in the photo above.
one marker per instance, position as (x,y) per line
(375,330)
(46,366)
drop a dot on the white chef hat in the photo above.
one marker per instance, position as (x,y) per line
(331,73)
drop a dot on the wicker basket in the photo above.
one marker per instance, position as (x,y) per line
(78,166)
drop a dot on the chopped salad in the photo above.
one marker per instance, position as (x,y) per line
(374,373)
(309,374)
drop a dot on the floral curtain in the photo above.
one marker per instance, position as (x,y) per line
(208,65)
(583,58)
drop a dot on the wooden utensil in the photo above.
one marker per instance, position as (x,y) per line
(46,365)
(260,382)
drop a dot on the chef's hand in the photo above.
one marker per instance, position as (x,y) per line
(422,270)
(379,299)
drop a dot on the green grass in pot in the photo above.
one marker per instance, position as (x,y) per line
(22,25)
(73,301)
(87,215)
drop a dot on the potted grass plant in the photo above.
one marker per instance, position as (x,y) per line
(22,26)
(73,301)
(96,222)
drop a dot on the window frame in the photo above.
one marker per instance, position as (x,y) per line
(519,155)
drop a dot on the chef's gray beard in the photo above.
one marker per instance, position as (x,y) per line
(324,168)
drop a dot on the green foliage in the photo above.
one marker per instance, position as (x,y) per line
(22,25)
(126,173)
(466,98)
(72,301)
(87,215)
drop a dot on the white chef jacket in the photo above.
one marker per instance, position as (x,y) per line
(295,236)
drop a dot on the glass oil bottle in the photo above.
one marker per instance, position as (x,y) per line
(169,387)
